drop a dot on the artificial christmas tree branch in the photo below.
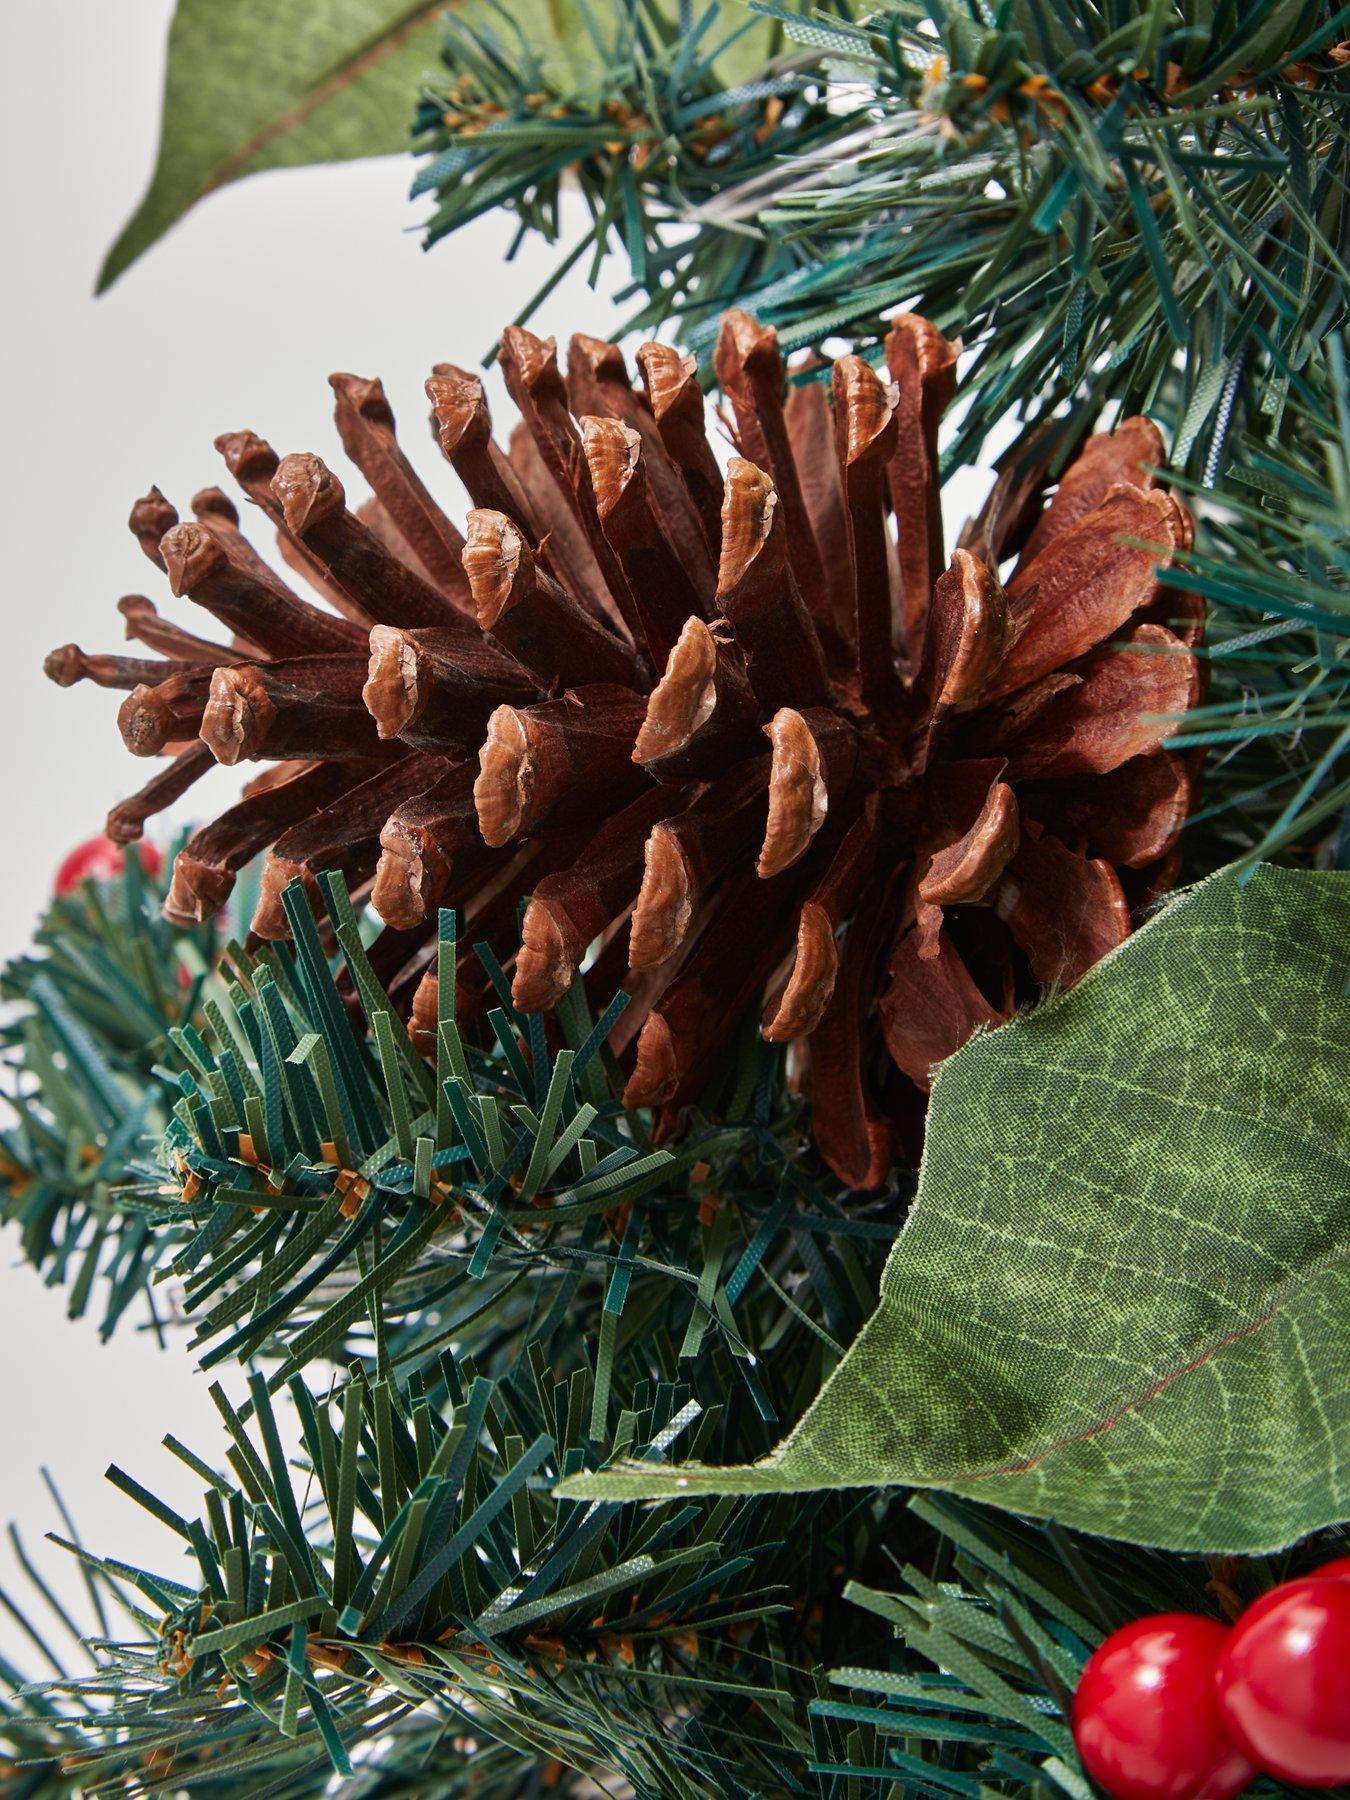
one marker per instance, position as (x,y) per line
(1113,191)
(99,1069)
(613,1284)
(411,1598)
(407,1603)
(1273,568)
(1133,206)
(508,1286)
(86,1088)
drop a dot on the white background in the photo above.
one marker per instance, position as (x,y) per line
(236,319)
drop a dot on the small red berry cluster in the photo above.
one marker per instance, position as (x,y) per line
(100,859)
(1177,1707)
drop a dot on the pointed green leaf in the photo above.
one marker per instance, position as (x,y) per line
(1122,1298)
(264,84)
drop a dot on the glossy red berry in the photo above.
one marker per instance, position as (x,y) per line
(1332,1571)
(1145,1718)
(100,859)
(1283,1681)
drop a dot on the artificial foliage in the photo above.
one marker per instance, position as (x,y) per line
(405,1602)
(394,1175)
(1140,203)
(1273,562)
(90,1009)
(265,84)
(1142,1195)
(279,84)
(1143,201)
(710,719)
(649,130)
(525,1227)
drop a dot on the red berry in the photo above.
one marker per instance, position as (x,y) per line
(1145,1718)
(1332,1571)
(100,859)
(1283,1681)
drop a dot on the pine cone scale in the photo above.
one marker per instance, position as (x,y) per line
(824,769)
(1090,579)
(365,423)
(809,987)
(599,385)
(758,596)
(751,371)
(922,365)
(1131,816)
(865,432)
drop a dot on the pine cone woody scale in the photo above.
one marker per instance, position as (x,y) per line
(749,729)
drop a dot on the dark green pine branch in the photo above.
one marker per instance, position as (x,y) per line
(524,1287)
(410,1583)
(315,1162)
(1274,564)
(1120,201)
(85,1085)
(651,116)
(454,1285)
(406,1603)
(997,1625)
(1119,206)
(321,1167)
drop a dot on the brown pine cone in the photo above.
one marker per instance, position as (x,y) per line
(761,709)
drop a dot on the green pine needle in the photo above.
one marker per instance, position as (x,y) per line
(1120,203)
(407,1600)
(1274,562)
(1130,207)
(496,1282)
(87,1080)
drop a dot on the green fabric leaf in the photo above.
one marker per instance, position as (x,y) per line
(1122,1298)
(266,84)
(263,84)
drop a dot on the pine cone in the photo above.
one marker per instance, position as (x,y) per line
(816,759)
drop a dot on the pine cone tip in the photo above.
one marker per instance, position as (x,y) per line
(743,736)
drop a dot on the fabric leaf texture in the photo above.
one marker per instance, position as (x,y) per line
(264,84)
(1122,1298)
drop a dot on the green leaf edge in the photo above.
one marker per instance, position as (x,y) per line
(626,1481)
